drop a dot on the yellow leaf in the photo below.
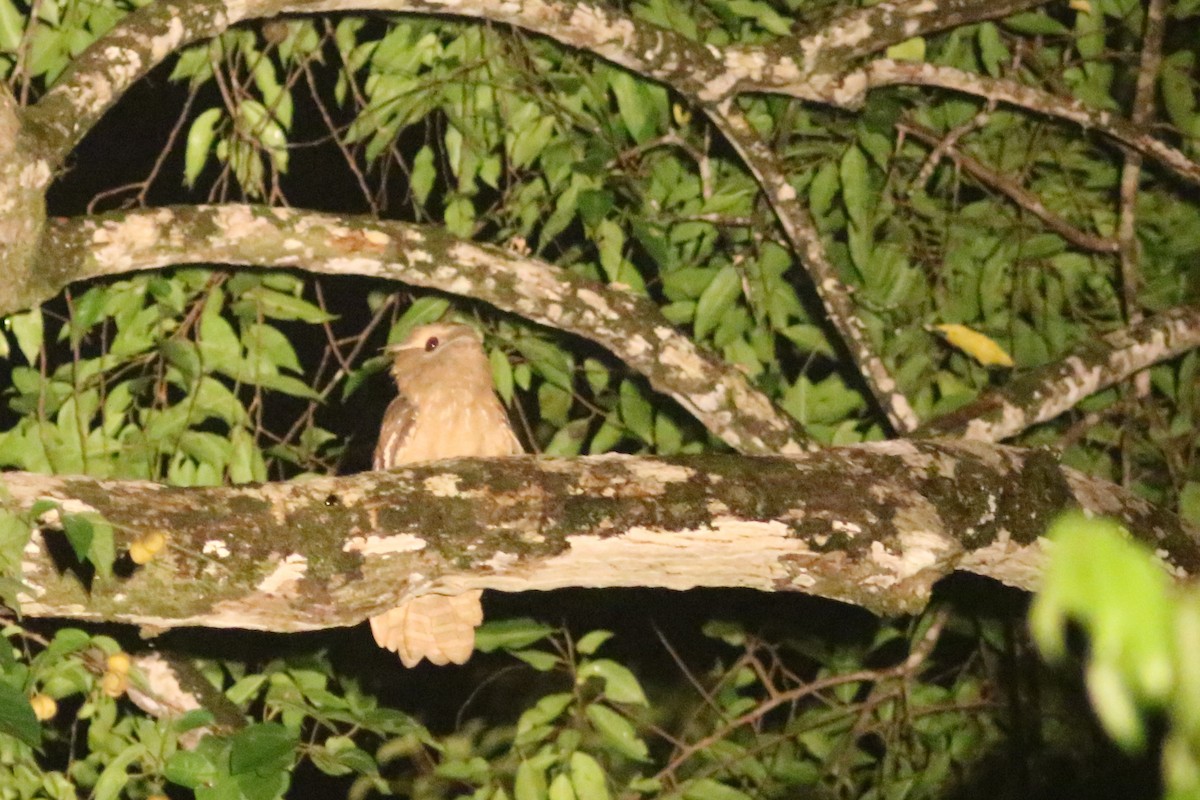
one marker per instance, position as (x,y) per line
(975,344)
(144,549)
(114,684)
(118,663)
(44,707)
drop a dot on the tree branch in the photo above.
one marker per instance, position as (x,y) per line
(875,525)
(1140,114)
(1018,194)
(627,324)
(761,160)
(886,72)
(1044,393)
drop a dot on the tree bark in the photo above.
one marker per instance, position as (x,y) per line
(875,525)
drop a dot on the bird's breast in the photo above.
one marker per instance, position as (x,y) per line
(455,428)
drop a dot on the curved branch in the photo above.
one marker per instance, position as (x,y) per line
(835,296)
(99,76)
(24,176)
(1045,393)
(886,72)
(627,324)
(864,31)
(331,551)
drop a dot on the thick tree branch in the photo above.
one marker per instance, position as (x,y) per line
(706,74)
(875,525)
(1044,393)
(145,37)
(99,76)
(24,176)
(627,324)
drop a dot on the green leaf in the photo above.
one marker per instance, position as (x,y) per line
(263,747)
(189,769)
(550,362)
(263,785)
(530,782)
(424,174)
(617,732)
(620,685)
(27,328)
(16,715)
(592,641)
(1113,700)
(280,305)
(762,13)
(115,776)
(529,142)
(459,216)
(1089,34)
(607,437)
(561,788)
(708,789)
(421,311)
(636,412)
(1035,23)
(12,27)
(538,659)
(1189,502)
(594,205)
(191,720)
(285,384)
(257,124)
(722,291)
(641,106)
(192,63)
(78,529)
(502,374)
(245,689)
(509,634)
(545,710)
(1119,594)
(909,50)
(567,440)
(587,777)
(554,404)
(199,143)
(65,642)
(992,51)
(856,188)
(103,550)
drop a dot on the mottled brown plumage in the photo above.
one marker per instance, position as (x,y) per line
(446,407)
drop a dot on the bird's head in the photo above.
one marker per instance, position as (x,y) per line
(437,350)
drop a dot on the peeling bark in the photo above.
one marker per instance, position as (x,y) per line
(875,525)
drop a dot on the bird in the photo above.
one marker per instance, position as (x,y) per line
(446,407)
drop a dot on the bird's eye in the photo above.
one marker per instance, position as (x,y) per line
(431,344)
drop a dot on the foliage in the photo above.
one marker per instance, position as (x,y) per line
(764,721)
(210,376)
(1143,634)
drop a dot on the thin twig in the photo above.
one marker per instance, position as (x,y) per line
(1018,194)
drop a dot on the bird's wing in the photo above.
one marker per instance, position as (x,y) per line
(399,422)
